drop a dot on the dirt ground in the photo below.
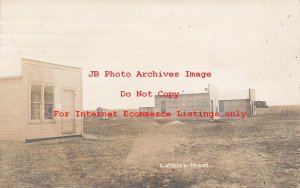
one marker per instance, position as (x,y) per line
(262,151)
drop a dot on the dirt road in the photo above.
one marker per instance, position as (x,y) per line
(256,152)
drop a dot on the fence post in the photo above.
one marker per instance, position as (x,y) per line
(98,122)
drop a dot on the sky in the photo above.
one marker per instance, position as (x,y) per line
(244,44)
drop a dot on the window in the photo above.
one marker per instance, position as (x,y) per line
(48,102)
(42,102)
(36,102)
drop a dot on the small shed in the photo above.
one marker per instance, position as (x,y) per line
(261,104)
(242,100)
(146,109)
(28,101)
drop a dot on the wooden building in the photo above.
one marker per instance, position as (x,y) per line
(28,101)
(213,101)
(242,101)
(146,109)
(200,102)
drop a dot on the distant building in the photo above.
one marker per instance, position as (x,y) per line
(242,101)
(204,102)
(261,104)
(99,109)
(146,109)
(211,101)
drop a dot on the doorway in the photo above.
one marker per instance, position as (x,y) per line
(68,126)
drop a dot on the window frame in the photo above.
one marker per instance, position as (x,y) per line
(42,104)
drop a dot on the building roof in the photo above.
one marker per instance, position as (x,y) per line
(10,77)
(40,63)
(31,61)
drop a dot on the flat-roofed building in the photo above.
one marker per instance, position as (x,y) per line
(28,101)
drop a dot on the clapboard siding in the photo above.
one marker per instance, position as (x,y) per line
(11,109)
(60,77)
(15,101)
(184,102)
(242,105)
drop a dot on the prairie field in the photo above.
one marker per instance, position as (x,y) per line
(261,151)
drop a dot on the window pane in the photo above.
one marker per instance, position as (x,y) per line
(35,111)
(48,111)
(48,94)
(36,93)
